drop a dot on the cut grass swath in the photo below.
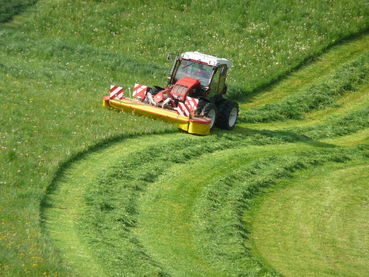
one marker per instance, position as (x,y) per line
(58,58)
(317,96)
(340,126)
(319,215)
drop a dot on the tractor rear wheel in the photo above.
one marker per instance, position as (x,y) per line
(228,114)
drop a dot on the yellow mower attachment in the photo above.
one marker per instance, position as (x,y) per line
(192,125)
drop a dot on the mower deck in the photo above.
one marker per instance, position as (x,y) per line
(192,125)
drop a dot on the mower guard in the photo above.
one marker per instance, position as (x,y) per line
(192,125)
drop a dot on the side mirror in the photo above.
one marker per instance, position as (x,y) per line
(169,57)
(172,56)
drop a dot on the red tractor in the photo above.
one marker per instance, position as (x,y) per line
(194,99)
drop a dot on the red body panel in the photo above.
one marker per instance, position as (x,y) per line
(188,82)
(183,86)
(162,95)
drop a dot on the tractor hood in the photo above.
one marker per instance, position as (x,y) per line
(183,86)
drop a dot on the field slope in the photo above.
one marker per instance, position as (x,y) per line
(91,192)
(181,213)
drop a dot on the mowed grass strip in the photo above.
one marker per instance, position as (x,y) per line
(319,95)
(340,126)
(95,199)
(112,202)
(316,223)
(315,69)
(357,138)
(169,216)
(65,205)
(219,231)
(347,104)
(352,117)
(165,223)
(190,219)
(60,57)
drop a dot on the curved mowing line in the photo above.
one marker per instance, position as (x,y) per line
(67,203)
(320,216)
(62,218)
(166,215)
(169,218)
(308,74)
(193,233)
(318,96)
(360,137)
(348,103)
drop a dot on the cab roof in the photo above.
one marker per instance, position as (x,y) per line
(211,60)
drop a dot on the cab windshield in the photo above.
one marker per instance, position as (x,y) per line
(198,71)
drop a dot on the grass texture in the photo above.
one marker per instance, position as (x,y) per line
(347,78)
(144,214)
(8,9)
(290,217)
(59,57)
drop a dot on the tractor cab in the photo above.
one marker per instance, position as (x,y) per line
(209,71)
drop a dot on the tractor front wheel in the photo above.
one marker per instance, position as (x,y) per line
(209,110)
(228,114)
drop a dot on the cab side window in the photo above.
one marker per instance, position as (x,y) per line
(218,82)
(215,83)
(222,78)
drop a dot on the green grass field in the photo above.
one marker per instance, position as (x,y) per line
(91,192)
(291,218)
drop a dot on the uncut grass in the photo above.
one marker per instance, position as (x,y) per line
(325,92)
(334,196)
(266,40)
(56,63)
